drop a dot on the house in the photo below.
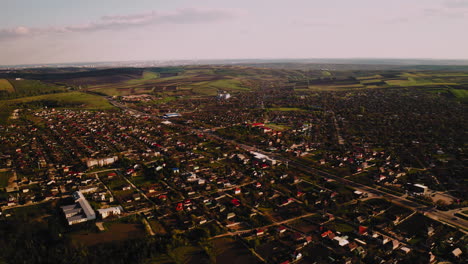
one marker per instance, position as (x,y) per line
(260,232)
(342,241)
(223,96)
(457,252)
(79,212)
(362,230)
(282,229)
(235,202)
(420,189)
(257,124)
(169,115)
(230,215)
(104,213)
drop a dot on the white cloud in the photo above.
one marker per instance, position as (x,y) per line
(118,22)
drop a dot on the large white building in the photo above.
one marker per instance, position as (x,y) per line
(263,158)
(101,162)
(117,210)
(79,212)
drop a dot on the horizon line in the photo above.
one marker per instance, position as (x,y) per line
(39,64)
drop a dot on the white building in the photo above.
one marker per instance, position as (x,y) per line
(79,212)
(169,115)
(104,213)
(224,96)
(101,162)
(263,158)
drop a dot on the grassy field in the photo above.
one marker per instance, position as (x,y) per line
(459,93)
(230,251)
(157,227)
(147,75)
(416,82)
(277,127)
(326,73)
(76,100)
(164,100)
(114,232)
(335,87)
(4,177)
(366,81)
(33,212)
(34,87)
(5,85)
(189,254)
(285,109)
(211,87)
(367,78)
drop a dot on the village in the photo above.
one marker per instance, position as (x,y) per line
(232,174)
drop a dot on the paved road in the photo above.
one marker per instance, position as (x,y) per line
(238,232)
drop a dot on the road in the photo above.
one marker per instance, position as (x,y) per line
(263,227)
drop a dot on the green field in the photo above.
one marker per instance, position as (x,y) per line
(367,78)
(366,81)
(147,75)
(335,87)
(459,93)
(164,100)
(326,73)
(31,213)
(76,100)
(416,82)
(25,88)
(211,87)
(277,127)
(5,85)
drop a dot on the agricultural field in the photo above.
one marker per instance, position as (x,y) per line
(147,75)
(459,93)
(189,82)
(336,87)
(73,100)
(25,88)
(6,86)
(211,87)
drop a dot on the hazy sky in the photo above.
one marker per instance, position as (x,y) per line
(49,31)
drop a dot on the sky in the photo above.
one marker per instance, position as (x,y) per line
(60,31)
